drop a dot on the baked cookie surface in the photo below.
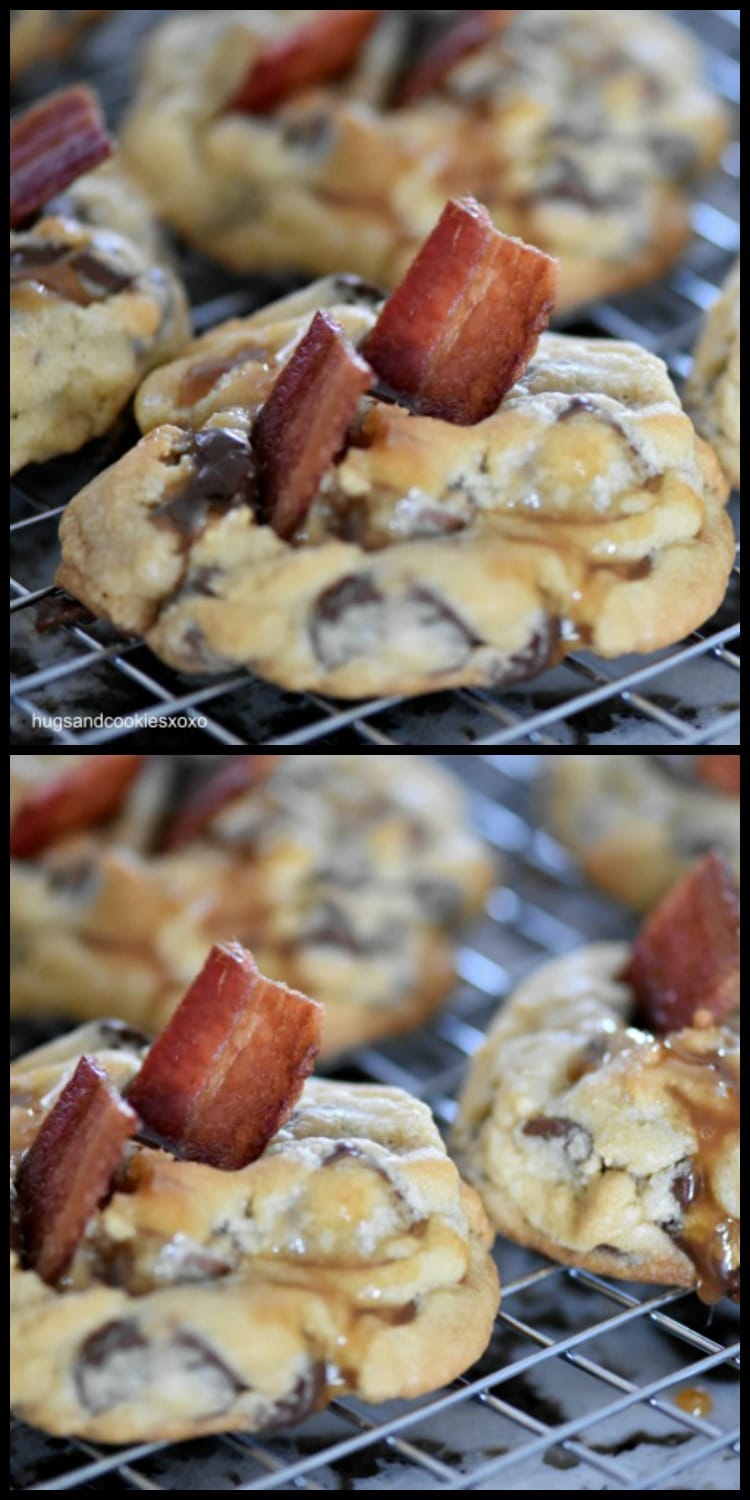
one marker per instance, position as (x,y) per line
(347,875)
(110,198)
(349,1257)
(598,1144)
(90,315)
(579,129)
(636,821)
(40,36)
(712,393)
(582,512)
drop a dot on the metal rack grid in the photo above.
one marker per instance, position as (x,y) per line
(578,1387)
(687,694)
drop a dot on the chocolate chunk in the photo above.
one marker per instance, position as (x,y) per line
(351,616)
(77,275)
(574,1139)
(332,926)
(352,289)
(439,900)
(77,878)
(119,1037)
(453,639)
(223,477)
(675,154)
(109,1365)
(311,133)
(346,620)
(567,183)
(97,277)
(306,1396)
(539,653)
(117,1363)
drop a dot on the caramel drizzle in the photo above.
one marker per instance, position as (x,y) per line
(708,1235)
(201,377)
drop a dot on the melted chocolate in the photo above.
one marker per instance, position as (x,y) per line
(223,477)
(540,652)
(116,1362)
(330,927)
(433,612)
(352,290)
(77,275)
(334,606)
(574,1139)
(306,1396)
(119,1037)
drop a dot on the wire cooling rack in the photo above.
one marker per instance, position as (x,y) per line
(587,1383)
(686,694)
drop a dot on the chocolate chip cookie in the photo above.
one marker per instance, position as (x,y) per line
(347,875)
(90,315)
(91,311)
(712,394)
(600,1143)
(349,1257)
(582,512)
(636,821)
(329,141)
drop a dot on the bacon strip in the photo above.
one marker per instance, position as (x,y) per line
(304,423)
(321,50)
(463,325)
(721,771)
(67,1172)
(51,144)
(467,34)
(203,802)
(226,1073)
(686,958)
(88,794)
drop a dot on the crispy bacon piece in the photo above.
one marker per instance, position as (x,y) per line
(721,771)
(686,957)
(226,1073)
(462,326)
(229,780)
(314,53)
(51,144)
(304,423)
(468,33)
(67,1171)
(81,798)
